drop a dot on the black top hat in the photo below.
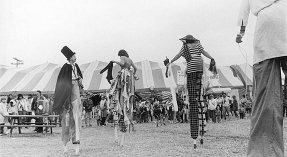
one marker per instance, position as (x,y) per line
(67,52)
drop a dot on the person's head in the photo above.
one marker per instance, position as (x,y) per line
(224,95)
(103,97)
(72,59)
(123,53)
(30,96)
(10,96)
(233,96)
(39,93)
(211,96)
(3,100)
(217,107)
(20,96)
(69,54)
(46,96)
(243,95)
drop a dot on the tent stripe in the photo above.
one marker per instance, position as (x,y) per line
(139,83)
(12,82)
(51,84)
(2,71)
(46,77)
(104,82)
(157,75)
(95,81)
(29,76)
(13,77)
(88,74)
(37,78)
(147,74)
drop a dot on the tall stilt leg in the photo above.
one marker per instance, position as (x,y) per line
(201,139)
(65,149)
(77,149)
(116,135)
(122,141)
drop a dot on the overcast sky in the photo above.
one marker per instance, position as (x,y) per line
(36,30)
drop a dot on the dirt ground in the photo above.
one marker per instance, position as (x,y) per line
(225,139)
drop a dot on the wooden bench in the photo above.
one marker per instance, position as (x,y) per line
(13,124)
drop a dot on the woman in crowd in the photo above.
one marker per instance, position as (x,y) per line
(191,51)
(124,86)
(3,112)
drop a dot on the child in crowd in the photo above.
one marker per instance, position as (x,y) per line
(218,114)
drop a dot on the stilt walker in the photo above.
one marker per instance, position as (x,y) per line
(191,51)
(123,89)
(67,101)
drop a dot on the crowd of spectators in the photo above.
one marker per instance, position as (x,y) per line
(224,107)
(147,110)
(29,105)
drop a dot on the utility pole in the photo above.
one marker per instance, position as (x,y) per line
(18,62)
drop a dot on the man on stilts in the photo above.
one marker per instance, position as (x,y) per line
(191,51)
(67,101)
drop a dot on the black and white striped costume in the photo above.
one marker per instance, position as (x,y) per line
(194,81)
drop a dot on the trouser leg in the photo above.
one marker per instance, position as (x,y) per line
(266,133)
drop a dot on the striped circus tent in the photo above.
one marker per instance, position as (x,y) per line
(43,77)
(152,76)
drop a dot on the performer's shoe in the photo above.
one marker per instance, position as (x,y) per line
(201,141)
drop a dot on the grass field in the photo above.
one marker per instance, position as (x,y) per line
(228,138)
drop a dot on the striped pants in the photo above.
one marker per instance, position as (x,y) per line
(194,91)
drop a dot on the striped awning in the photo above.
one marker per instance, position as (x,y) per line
(152,75)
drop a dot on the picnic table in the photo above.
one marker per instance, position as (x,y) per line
(21,124)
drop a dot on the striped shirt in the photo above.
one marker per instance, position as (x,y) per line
(193,57)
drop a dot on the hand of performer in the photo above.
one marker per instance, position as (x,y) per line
(239,37)
(136,78)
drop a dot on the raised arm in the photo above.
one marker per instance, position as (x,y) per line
(176,57)
(206,54)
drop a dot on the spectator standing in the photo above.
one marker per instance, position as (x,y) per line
(212,103)
(219,100)
(226,106)
(234,106)
(156,111)
(163,113)
(88,104)
(248,104)
(218,114)
(104,110)
(243,103)
(22,107)
(37,107)
(3,112)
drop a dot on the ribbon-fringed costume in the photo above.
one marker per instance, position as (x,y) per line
(123,89)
